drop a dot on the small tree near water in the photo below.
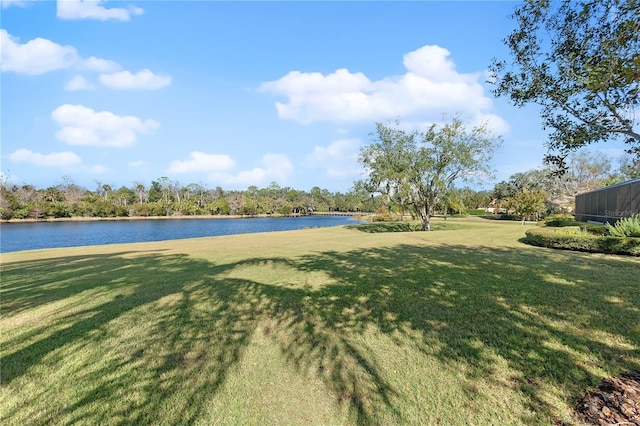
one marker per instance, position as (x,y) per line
(417,169)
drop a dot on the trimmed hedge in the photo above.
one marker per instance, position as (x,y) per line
(559,223)
(378,227)
(572,239)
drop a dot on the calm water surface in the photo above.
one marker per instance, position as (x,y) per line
(39,235)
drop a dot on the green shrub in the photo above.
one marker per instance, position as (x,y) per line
(581,228)
(386,217)
(501,216)
(558,220)
(553,238)
(595,229)
(379,227)
(383,214)
(559,223)
(567,221)
(571,230)
(22,213)
(627,227)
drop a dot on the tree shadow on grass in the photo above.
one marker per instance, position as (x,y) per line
(190,323)
(537,310)
(45,281)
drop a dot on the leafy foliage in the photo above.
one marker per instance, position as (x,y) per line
(584,172)
(527,204)
(630,167)
(379,227)
(558,220)
(581,241)
(627,227)
(406,226)
(418,169)
(476,212)
(579,61)
(165,197)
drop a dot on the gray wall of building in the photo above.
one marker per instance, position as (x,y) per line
(609,204)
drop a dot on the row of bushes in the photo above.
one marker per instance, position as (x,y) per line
(379,227)
(579,239)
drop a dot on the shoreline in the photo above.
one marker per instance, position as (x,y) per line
(123,218)
(179,217)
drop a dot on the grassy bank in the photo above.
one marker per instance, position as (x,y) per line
(318,326)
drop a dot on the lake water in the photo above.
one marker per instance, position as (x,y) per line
(39,235)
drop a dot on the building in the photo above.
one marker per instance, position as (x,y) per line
(610,203)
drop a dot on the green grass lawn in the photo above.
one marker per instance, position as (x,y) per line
(328,326)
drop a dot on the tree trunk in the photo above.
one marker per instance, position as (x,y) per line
(425,216)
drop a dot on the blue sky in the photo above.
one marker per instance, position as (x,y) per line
(234,94)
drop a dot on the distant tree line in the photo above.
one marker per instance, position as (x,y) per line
(166,197)
(526,194)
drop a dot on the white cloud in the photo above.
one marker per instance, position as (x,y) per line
(493,121)
(55,159)
(78,83)
(145,80)
(201,162)
(19,3)
(275,167)
(340,150)
(430,87)
(84,126)
(97,169)
(138,163)
(37,56)
(94,9)
(433,63)
(339,159)
(100,65)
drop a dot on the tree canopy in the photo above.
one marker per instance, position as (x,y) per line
(579,61)
(527,204)
(630,168)
(526,193)
(166,197)
(418,169)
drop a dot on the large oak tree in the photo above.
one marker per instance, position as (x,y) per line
(580,62)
